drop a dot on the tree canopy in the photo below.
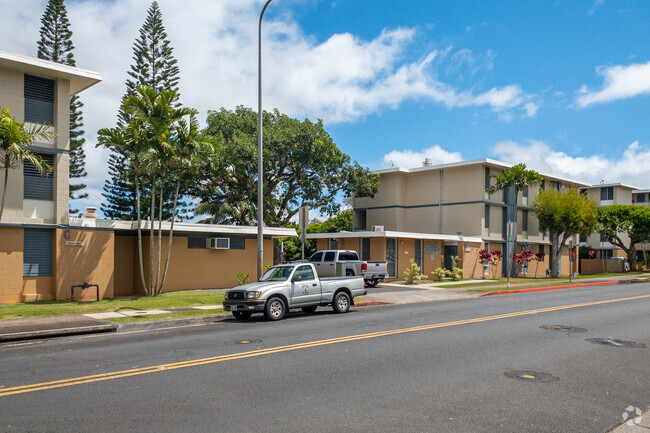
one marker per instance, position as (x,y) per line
(517,177)
(564,214)
(620,221)
(302,166)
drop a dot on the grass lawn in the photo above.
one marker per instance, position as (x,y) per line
(187,298)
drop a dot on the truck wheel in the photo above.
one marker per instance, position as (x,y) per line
(349,273)
(341,303)
(371,283)
(275,309)
(309,310)
(242,315)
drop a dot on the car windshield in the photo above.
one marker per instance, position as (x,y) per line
(278,273)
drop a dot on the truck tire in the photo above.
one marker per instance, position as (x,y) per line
(275,309)
(242,315)
(341,303)
(309,310)
(349,273)
(371,283)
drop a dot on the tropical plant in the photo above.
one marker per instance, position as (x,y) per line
(56,45)
(564,214)
(484,259)
(15,139)
(412,273)
(456,273)
(243,278)
(515,178)
(439,274)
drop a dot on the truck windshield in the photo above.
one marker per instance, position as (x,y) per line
(278,273)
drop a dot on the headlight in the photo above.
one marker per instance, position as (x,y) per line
(253,295)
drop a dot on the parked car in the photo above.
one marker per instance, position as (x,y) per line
(325,263)
(294,285)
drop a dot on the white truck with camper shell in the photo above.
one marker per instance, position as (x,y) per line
(294,285)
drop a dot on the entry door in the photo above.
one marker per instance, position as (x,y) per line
(450,251)
(307,290)
(391,256)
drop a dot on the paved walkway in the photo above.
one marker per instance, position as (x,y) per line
(132,313)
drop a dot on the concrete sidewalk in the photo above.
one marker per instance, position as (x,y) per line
(46,327)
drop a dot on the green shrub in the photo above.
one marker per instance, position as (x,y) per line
(456,273)
(439,274)
(412,273)
(242,278)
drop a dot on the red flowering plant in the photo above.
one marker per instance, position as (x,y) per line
(592,253)
(495,258)
(484,259)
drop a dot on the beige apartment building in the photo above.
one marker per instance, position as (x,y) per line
(447,208)
(44,252)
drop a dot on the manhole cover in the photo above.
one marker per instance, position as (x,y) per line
(617,343)
(563,328)
(532,376)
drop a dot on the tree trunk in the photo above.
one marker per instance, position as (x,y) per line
(160,214)
(4,188)
(171,233)
(555,256)
(152,214)
(137,200)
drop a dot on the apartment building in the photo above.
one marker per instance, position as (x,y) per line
(447,206)
(44,252)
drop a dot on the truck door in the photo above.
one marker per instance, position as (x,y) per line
(328,266)
(306,290)
(316,260)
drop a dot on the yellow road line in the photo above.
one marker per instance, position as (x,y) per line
(4,392)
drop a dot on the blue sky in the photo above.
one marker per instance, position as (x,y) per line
(563,86)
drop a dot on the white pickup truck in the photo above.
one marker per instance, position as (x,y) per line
(325,263)
(294,285)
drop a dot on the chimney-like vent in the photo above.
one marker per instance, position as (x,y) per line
(91,212)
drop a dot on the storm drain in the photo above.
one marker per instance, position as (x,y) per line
(617,343)
(532,376)
(563,328)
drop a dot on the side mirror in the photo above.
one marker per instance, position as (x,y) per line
(294,279)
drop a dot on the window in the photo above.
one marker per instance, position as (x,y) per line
(607,193)
(487,216)
(365,249)
(524,220)
(305,273)
(640,198)
(329,256)
(316,257)
(603,238)
(418,253)
(524,192)
(542,185)
(556,185)
(39,100)
(37,253)
(334,245)
(487,177)
(583,238)
(391,256)
(38,187)
(200,242)
(606,254)
(349,255)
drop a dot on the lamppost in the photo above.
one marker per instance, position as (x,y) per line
(260,167)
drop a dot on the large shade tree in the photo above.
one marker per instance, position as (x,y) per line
(516,178)
(302,167)
(56,45)
(618,222)
(15,139)
(564,214)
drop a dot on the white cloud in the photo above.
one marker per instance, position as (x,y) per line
(412,159)
(339,80)
(619,82)
(630,168)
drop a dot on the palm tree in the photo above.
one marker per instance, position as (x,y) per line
(518,178)
(15,139)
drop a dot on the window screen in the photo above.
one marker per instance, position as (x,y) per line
(39,187)
(39,100)
(37,252)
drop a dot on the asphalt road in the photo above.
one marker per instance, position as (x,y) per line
(418,367)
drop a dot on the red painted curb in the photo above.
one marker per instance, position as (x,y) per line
(542,289)
(370,303)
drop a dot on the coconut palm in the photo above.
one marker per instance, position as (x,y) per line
(518,178)
(15,139)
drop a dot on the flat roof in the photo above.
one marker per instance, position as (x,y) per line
(484,161)
(606,185)
(394,234)
(80,79)
(275,232)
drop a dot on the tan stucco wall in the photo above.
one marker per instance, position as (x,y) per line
(127,265)
(91,262)
(191,268)
(11,264)
(38,289)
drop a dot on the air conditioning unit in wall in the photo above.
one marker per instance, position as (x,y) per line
(218,243)
(378,228)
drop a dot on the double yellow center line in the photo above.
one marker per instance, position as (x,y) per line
(4,392)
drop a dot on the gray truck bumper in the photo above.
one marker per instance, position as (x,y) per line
(243,305)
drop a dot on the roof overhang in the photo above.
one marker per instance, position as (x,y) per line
(80,79)
(394,234)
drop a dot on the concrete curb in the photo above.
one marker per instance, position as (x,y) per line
(58,332)
(543,289)
(159,324)
(371,303)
